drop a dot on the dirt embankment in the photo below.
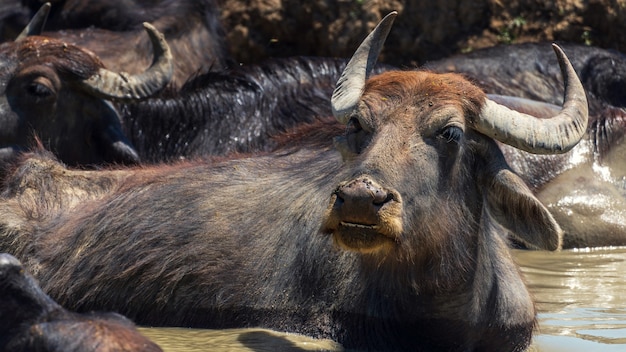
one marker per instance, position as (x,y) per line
(424,30)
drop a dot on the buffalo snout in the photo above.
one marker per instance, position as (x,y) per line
(364,216)
(360,200)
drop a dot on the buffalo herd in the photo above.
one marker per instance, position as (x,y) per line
(339,199)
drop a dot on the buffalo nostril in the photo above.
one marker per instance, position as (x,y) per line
(361,203)
(387,198)
(378,196)
(363,193)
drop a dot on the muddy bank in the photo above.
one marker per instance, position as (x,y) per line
(424,30)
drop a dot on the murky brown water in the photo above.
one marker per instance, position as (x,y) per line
(580,294)
(581,297)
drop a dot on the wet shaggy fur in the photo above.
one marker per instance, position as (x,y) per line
(33,322)
(241,242)
(236,110)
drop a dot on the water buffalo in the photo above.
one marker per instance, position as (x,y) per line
(584,189)
(60,94)
(214,113)
(389,240)
(113,31)
(32,321)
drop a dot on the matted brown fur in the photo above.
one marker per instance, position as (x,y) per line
(416,87)
(61,56)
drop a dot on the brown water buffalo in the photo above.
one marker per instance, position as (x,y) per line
(60,94)
(113,31)
(390,240)
(585,188)
(33,322)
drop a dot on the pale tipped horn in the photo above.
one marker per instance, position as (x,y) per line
(36,24)
(109,84)
(350,85)
(554,135)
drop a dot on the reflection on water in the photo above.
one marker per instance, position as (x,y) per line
(581,298)
(580,295)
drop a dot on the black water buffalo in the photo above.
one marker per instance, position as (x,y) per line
(585,188)
(32,321)
(390,240)
(214,113)
(113,31)
(60,94)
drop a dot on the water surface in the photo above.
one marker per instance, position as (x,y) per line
(580,295)
(581,298)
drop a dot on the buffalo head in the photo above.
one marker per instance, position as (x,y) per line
(60,95)
(423,160)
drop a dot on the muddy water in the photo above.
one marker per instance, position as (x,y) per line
(580,295)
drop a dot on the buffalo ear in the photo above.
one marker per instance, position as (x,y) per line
(117,148)
(513,205)
(111,140)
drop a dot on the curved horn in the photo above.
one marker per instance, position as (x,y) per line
(36,24)
(352,81)
(554,135)
(527,106)
(113,85)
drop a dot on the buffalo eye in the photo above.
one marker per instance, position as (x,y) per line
(354,140)
(452,134)
(40,88)
(356,137)
(354,126)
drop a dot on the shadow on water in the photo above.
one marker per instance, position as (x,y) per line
(235,340)
(580,297)
(261,340)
